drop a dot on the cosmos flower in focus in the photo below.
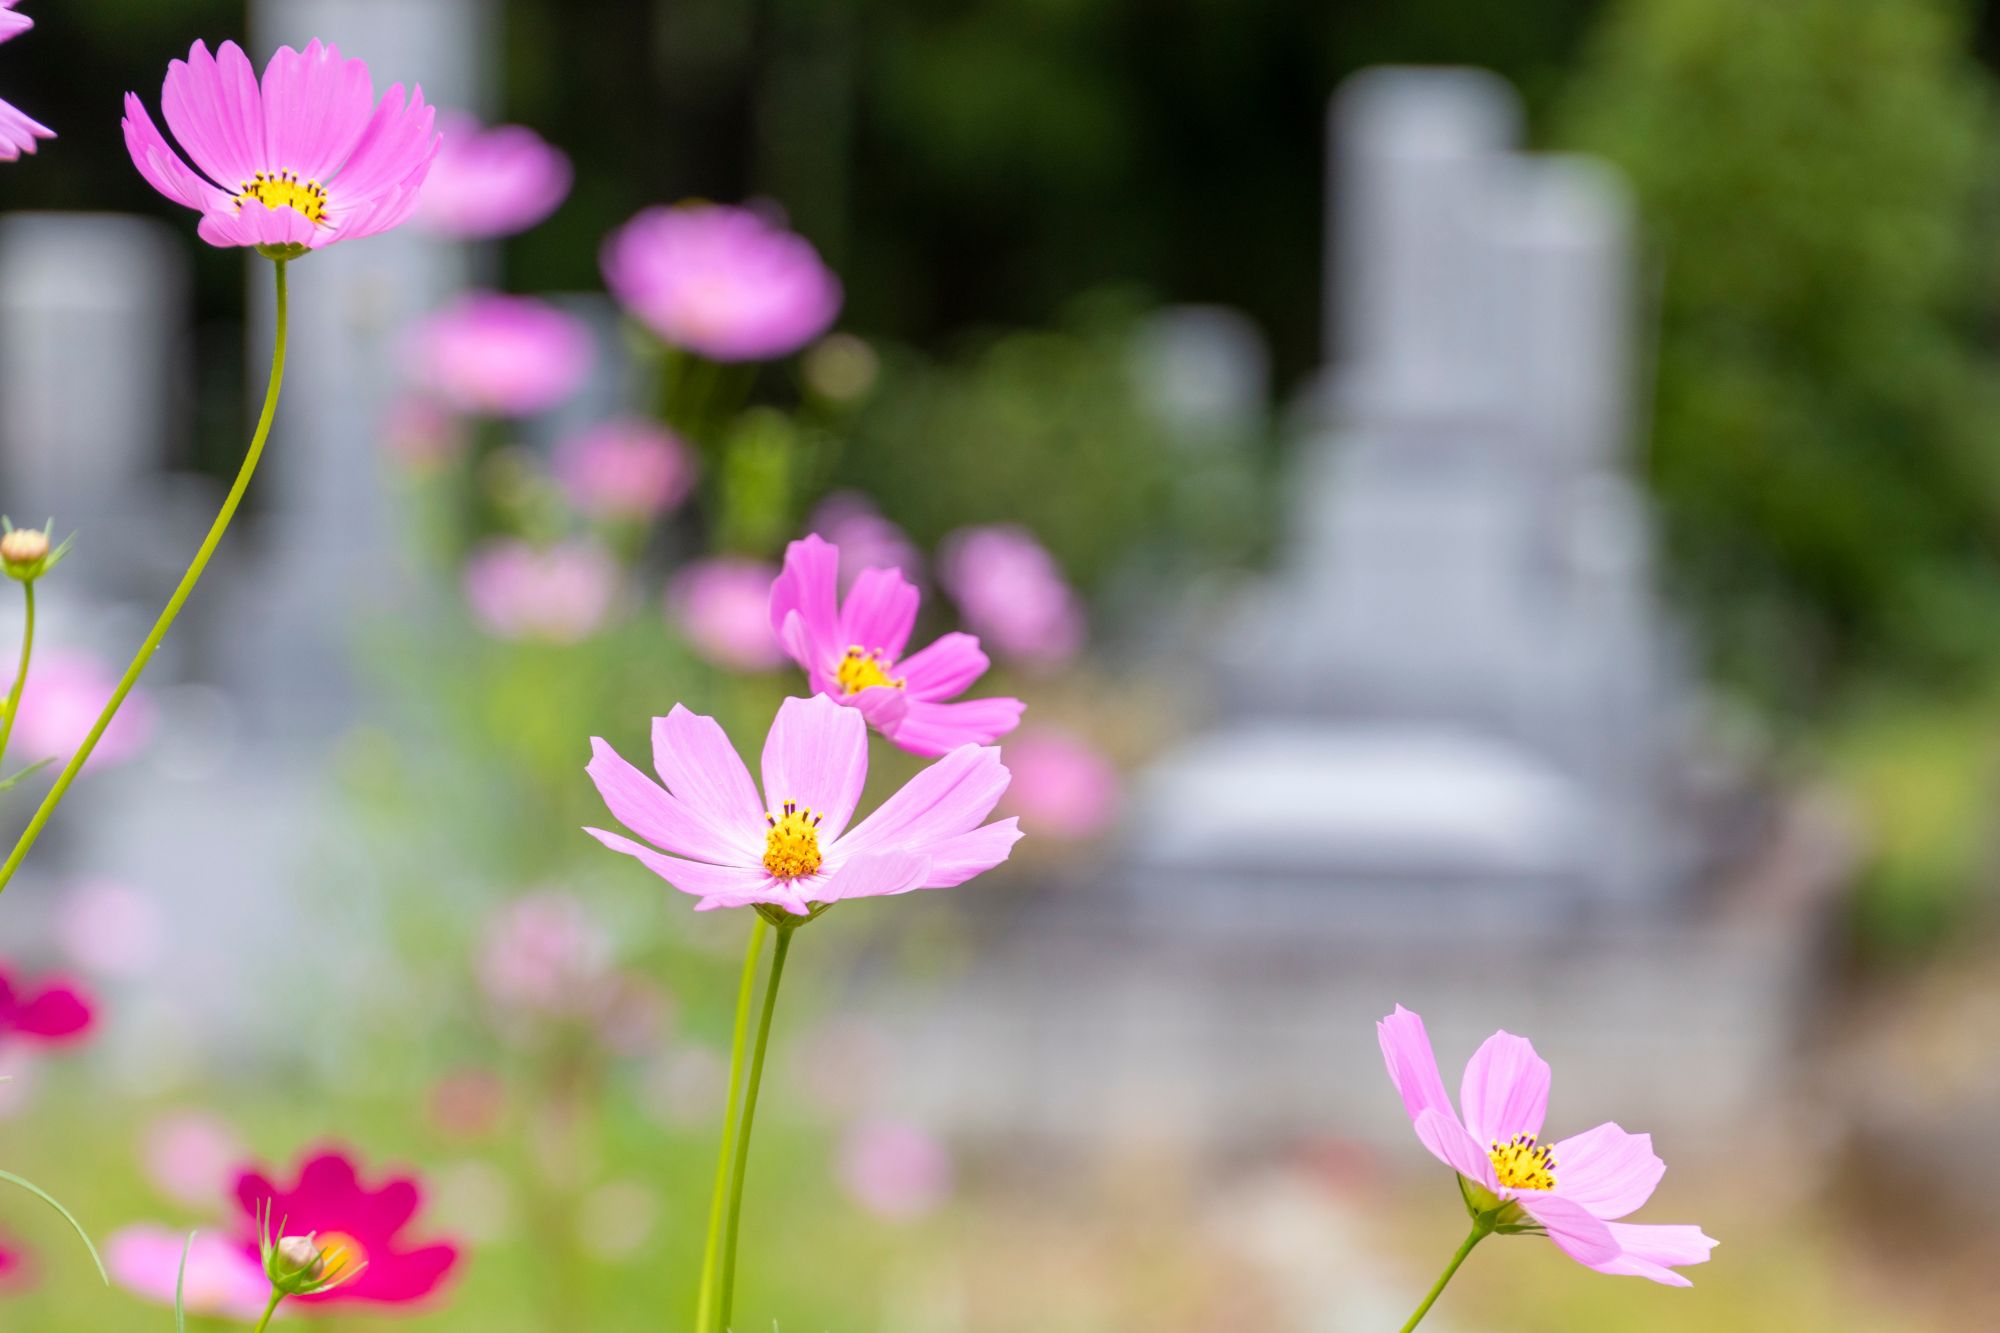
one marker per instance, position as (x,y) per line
(306,159)
(1573,1190)
(222,1280)
(1012,592)
(852,651)
(493,182)
(558,595)
(723,605)
(358,1228)
(722,282)
(624,470)
(17,132)
(792,848)
(500,356)
(51,1013)
(66,690)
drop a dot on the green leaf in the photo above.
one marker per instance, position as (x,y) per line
(67,1216)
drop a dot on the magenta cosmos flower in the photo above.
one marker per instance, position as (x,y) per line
(305,159)
(359,1228)
(792,848)
(47,1012)
(492,182)
(1011,590)
(723,282)
(1574,1189)
(852,651)
(17,132)
(723,606)
(501,356)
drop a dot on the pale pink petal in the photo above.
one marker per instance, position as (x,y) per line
(1655,1251)
(1577,1232)
(879,613)
(1449,1143)
(1505,1090)
(808,584)
(884,706)
(214,108)
(397,144)
(1413,1068)
(1607,1170)
(817,756)
(935,728)
(13,24)
(255,223)
(315,107)
(945,669)
(641,805)
(738,884)
(221,1278)
(873,875)
(950,797)
(18,133)
(162,166)
(694,758)
(956,860)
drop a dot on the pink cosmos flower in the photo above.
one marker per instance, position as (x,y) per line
(222,1279)
(1012,592)
(1574,1190)
(723,282)
(544,953)
(492,182)
(501,356)
(723,604)
(627,469)
(793,848)
(65,692)
(17,132)
(359,1227)
(306,159)
(52,1013)
(1063,785)
(895,1170)
(191,1157)
(852,651)
(558,595)
(866,540)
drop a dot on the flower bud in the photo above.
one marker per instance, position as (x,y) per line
(25,553)
(299,1254)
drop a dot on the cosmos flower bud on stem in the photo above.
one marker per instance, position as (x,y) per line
(25,553)
(300,1265)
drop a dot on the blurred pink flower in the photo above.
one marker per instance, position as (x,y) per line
(544,953)
(17,132)
(1063,785)
(17,1266)
(1012,593)
(222,1280)
(191,1157)
(422,434)
(560,595)
(852,652)
(627,469)
(895,1170)
(360,1228)
(109,928)
(723,605)
(306,160)
(51,1012)
(1573,1189)
(865,539)
(723,282)
(66,690)
(491,182)
(793,848)
(500,356)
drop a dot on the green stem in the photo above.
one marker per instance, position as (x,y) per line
(276,1295)
(20,676)
(749,1119)
(705,1308)
(1481,1229)
(174,603)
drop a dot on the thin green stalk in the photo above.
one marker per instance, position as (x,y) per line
(705,1308)
(1481,1229)
(174,603)
(276,1295)
(21,675)
(749,1119)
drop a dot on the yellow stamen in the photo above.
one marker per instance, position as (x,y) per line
(791,848)
(1523,1164)
(284,189)
(862,669)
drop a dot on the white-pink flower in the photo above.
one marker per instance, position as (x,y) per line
(626,469)
(895,1169)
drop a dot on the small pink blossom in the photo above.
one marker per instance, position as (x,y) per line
(722,282)
(852,652)
(895,1170)
(17,132)
(545,954)
(358,1227)
(866,540)
(222,1280)
(301,162)
(558,595)
(723,605)
(1063,785)
(111,928)
(628,469)
(191,1157)
(491,182)
(66,690)
(500,356)
(1574,1190)
(1012,592)
(792,847)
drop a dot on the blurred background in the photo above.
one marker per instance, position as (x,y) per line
(1493,509)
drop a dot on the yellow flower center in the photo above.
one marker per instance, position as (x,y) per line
(284,189)
(863,669)
(340,1253)
(1523,1164)
(791,848)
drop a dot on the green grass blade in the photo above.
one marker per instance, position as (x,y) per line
(67,1216)
(180,1287)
